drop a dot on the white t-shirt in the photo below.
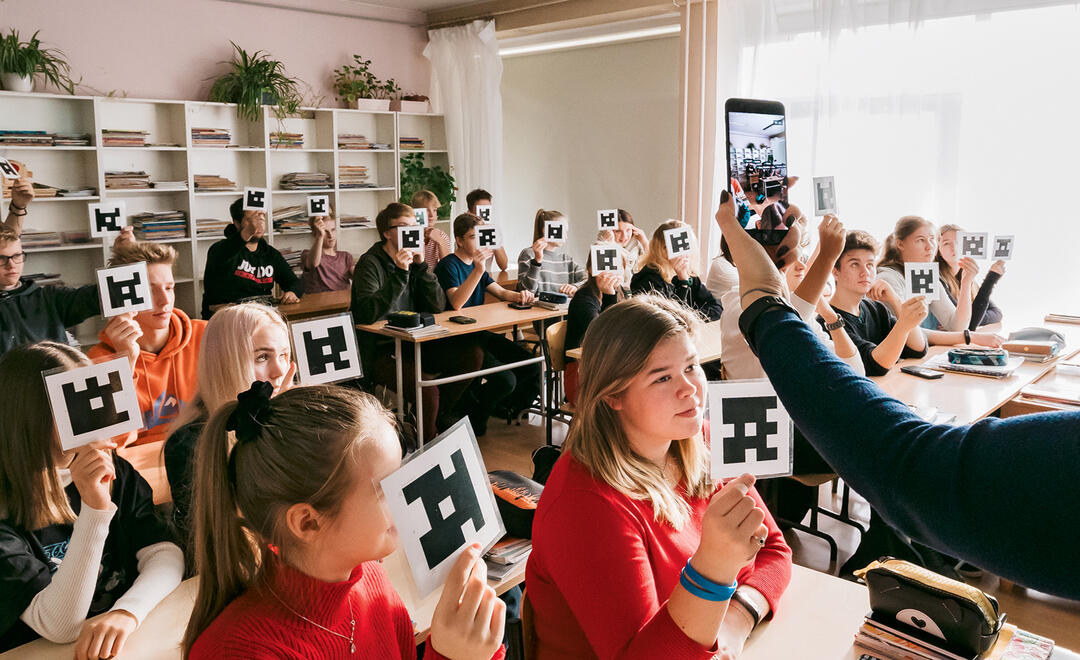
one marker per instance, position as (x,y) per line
(723,276)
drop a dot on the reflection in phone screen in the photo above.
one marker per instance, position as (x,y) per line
(757,161)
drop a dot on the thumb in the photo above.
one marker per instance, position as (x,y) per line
(742,483)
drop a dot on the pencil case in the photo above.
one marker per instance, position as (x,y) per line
(979,357)
(409,319)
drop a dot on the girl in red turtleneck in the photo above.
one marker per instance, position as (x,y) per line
(296,573)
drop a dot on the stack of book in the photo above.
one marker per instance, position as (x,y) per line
(210,137)
(170,185)
(281,140)
(36,238)
(506,555)
(210,182)
(42,190)
(25,139)
(126,180)
(290,219)
(210,227)
(352,141)
(411,143)
(160,225)
(75,237)
(306,181)
(76,192)
(879,637)
(71,140)
(353,176)
(432,330)
(113,137)
(351,221)
(292,257)
(381,145)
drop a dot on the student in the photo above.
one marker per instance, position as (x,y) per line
(22,193)
(243,265)
(546,267)
(633,242)
(600,292)
(290,527)
(79,535)
(436,242)
(673,278)
(242,343)
(723,275)
(388,279)
(983,310)
(472,200)
(465,281)
(629,511)
(324,268)
(162,343)
(945,485)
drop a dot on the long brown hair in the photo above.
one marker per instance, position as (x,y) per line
(905,226)
(31,495)
(543,216)
(309,442)
(657,256)
(616,347)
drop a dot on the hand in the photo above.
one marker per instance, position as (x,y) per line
(402,259)
(758,276)
(126,235)
(538,247)
(825,310)
(912,312)
(480,258)
(988,339)
(22,192)
(737,626)
(91,471)
(730,529)
(831,237)
(468,620)
(105,637)
(607,281)
(968,270)
(568,289)
(123,333)
(681,266)
(319,226)
(882,292)
(998,267)
(525,297)
(289,298)
(287,381)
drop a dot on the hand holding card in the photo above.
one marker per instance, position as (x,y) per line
(468,620)
(92,470)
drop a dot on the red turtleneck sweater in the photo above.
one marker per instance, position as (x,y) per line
(256,626)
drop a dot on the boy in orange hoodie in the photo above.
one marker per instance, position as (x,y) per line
(162,343)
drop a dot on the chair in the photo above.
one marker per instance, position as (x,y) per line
(555,365)
(816,510)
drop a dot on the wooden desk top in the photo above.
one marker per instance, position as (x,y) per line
(317,304)
(708,344)
(492,316)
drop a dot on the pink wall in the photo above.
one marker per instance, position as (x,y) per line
(171,49)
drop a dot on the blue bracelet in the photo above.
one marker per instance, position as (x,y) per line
(698,591)
(721,591)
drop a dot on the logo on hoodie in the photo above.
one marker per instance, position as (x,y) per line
(165,407)
(260,274)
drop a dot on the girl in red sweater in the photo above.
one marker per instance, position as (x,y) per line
(635,554)
(289,527)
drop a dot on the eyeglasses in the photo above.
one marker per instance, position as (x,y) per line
(16,258)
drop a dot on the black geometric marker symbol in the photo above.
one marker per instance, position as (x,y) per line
(485,236)
(922,281)
(484,213)
(609,219)
(256,199)
(123,293)
(324,351)
(1002,248)
(741,412)
(94,407)
(410,240)
(680,242)
(439,493)
(555,232)
(106,221)
(606,259)
(317,206)
(974,245)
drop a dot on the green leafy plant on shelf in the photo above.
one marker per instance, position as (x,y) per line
(415,175)
(255,80)
(356,81)
(28,58)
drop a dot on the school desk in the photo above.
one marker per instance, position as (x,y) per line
(493,316)
(708,344)
(317,304)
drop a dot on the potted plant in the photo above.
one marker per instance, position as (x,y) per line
(415,176)
(21,60)
(412,103)
(255,80)
(358,87)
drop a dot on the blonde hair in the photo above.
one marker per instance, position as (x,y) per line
(8,235)
(905,226)
(656,255)
(307,448)
(31,495)
(422,198)
(945,270)
(151,253)
(225,358)
(616,348)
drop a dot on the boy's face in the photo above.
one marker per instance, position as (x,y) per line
(479,202)
(252,225)
(11,271)
(162,294)
(623,233)
(329,241)
(467,243)
(855,271)
(391,234)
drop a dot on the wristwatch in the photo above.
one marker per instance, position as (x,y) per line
(752,600)
(839,323)
(750,316)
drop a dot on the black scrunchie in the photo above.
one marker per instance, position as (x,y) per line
(251,410)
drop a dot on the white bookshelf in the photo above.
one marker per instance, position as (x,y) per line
(172,157)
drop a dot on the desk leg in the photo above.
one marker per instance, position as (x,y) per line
(400,384)
(419,396)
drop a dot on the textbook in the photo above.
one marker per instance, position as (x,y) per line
(416,333)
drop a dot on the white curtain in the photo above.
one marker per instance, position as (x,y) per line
(961,111)
(466,72)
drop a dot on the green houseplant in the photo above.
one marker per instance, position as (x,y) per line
(21,60)
(358,87)
(255,80)
(415,175)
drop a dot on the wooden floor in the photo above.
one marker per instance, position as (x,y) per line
(510,448)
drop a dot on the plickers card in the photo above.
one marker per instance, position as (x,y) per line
(124,289)
(488,237)
(95,402)
(555,230)
(973,244)
(606,258)
(750,431)
(255,199)
(607,219)
(824,195)
(107,218)
(325,349)
(440,502)
(484,212)
(318,205)
(421,217)
(1003,247)
(7,170)
(411,238)
(922,279)
(679,241)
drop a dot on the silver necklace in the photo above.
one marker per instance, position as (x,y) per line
(352,621)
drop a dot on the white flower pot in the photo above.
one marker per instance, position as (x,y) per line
(13,82)
(373,104)
(411,106)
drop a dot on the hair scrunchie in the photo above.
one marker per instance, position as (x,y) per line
(251,409)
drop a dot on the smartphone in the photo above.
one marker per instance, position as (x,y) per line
(517,305)
(922,372)
(463,320)
(757,165)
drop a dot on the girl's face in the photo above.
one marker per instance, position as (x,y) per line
(919,247)
(948,249)
(795,272)
(272,357)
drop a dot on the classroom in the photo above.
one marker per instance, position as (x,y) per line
(538,329)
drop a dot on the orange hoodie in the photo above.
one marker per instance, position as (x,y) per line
(165,381)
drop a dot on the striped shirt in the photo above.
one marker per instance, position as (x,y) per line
(557,269)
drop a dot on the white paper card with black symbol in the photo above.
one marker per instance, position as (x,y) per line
(484,212)
(107,218)
(606,258)
(679,241)
(93,403)
(488,237)
(555,231)
(1003,248)
(441,501)
(922,279)
(124,289)
(607,219)
(7,170)
(325,349)
(410,238)
(973,244)
(255,199)
(750,430)
(421,217)
(318,205)
(824,195)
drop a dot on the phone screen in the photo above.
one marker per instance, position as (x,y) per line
(757,160)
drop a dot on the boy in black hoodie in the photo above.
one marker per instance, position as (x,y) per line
(243,265)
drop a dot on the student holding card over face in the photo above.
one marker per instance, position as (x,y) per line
(983,310)
(325,269)
(546,266)
(79,535)
(634,244)
(481,197)
(243,265)
(635,553)
(436,243)
(290,526)
(673,278)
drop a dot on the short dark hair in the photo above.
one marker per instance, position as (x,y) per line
(624,216)
(236,210)
(475,196)
(859,240)
(464,222)
(389,214)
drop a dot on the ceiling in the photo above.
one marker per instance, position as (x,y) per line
(416,5)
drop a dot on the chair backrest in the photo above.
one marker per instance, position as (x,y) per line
(556,341)
(528,627)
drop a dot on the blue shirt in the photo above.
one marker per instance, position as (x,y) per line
(452,272)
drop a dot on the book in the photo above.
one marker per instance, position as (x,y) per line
(134,180)
(290,219)
(210,137)
(114,137)
(352,141)
(306,181)
(433,330)
(212,182)
(282,140)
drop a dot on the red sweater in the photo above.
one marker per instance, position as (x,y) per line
(256,626)
(602,569)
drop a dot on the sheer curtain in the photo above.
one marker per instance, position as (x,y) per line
(466,72)
(959,111)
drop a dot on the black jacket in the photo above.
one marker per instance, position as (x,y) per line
(33,313)
(234,272)
(584,307)
(691,292)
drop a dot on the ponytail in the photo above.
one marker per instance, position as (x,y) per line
(543,216)
(890,255)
